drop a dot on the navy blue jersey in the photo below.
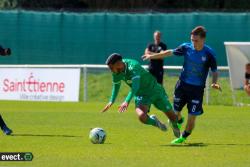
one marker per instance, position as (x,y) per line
(196,63)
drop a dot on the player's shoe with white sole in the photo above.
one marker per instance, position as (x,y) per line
(160,125)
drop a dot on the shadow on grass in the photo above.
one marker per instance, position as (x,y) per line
(187,145)
(44,135)
(205,144)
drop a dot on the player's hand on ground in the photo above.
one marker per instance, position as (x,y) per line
(107,107)
(123,107)
(216,86)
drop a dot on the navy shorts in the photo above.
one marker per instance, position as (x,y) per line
(190,95)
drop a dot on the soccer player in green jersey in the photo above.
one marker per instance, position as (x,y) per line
(144,89)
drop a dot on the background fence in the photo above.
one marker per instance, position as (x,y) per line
(96,83)
(87,38)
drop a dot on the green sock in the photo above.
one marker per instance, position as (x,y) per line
(180,121)
(150,121)
(174,124)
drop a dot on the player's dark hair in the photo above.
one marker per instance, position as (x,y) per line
(248,64)
(200,31)
(113,58)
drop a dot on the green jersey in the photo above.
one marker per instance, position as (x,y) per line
(135,76)
(143,86)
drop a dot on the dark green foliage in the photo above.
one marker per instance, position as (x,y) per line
(55,4)
(8,4)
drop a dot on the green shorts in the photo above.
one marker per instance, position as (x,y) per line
(157,97)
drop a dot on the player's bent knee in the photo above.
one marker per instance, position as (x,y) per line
(142,113)
(143,117)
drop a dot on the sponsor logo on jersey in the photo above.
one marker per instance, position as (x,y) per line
(203,58)
(139,98)
(130,67)
(129,81)
(195,101)
(177,99)
(159,48)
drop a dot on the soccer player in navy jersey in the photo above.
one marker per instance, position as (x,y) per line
(189,89)
(5,129)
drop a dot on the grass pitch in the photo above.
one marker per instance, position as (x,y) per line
(57,135)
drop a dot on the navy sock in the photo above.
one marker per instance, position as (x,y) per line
(2,123)
(185,134)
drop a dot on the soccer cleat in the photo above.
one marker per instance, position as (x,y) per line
(158,124)
(179,140)
(175,129)
(7,131)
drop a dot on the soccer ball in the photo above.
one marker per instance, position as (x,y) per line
(97,136)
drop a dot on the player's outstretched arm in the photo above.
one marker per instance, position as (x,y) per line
(115,90)
(107,107)
(123,107)
(160,55)
(135,87)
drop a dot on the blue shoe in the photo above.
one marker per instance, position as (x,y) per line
(7,131)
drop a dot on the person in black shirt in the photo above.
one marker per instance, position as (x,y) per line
(156,65)
(247,79)
(4,127)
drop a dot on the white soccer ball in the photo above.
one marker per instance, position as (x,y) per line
(97,136)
